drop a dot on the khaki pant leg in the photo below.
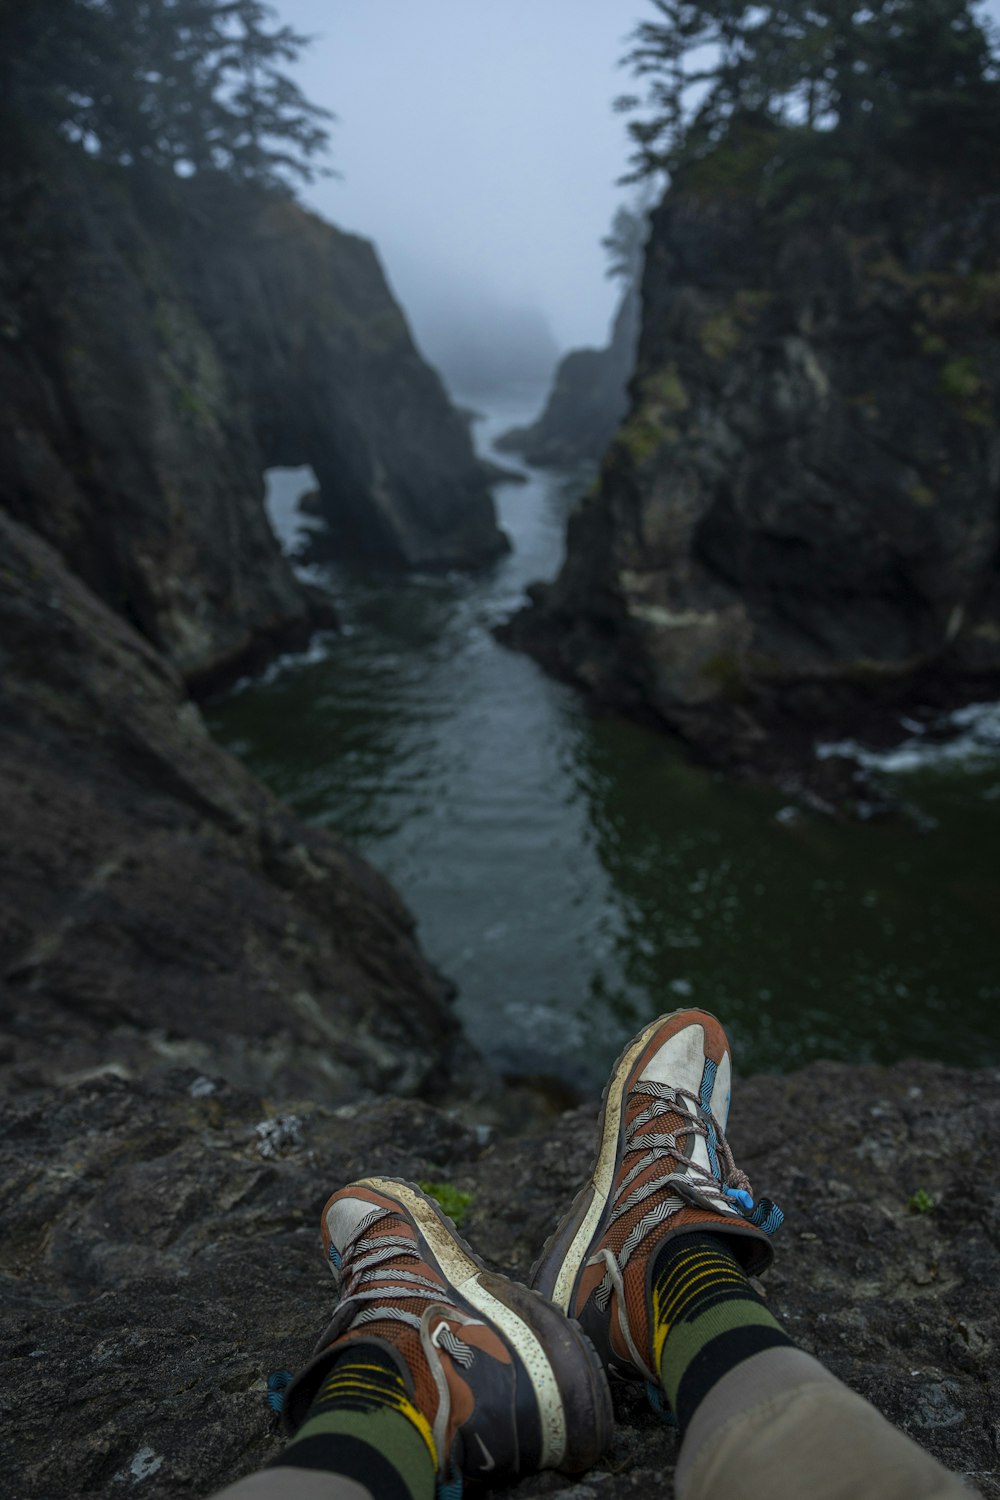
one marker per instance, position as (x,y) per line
(294,1484)
(781,1427)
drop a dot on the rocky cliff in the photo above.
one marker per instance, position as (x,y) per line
(588,400)
(162,342)
(161,1257)
(797,526)
(156,903)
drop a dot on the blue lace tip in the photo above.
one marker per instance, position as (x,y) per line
(336,1259)
(655,1398)
(277,1382)
(767,1216)
(741,1196)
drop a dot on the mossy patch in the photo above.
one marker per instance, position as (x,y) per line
(722,332)
(922,494)
(452,1200)
(931,344)
(662,399)
(719,336)
(664,392)
(641,437)
(961,383)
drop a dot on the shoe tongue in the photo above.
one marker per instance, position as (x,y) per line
(344,1217)
(682,1063)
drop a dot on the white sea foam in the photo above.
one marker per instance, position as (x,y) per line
(973,743)
(317,650)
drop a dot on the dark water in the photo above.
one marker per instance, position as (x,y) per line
(577,877)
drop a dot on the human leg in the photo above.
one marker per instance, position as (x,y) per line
(655,1258)
(432,1368)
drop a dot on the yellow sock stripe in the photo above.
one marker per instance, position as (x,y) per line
(670,1307)
(695,1261)
(351,1370)
(359,1390)
(350,1379)
(420,1422)
(669,1310)
(347,1380)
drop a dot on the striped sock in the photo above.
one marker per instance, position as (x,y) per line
(707,1319)
(363,1425)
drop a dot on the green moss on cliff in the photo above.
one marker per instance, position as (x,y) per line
(662,399)
(962,383)
(722,332)
(719,336)
(664,392)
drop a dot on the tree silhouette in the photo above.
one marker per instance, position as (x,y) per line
(193,85)
(854,81)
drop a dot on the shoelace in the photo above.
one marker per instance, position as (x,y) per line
(362,1270)
(723,1187)
(367,1283)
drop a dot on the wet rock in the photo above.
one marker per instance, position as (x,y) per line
(154,1268)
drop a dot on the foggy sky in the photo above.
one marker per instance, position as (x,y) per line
(478,147)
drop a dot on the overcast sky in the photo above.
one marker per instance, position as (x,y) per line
(478,145)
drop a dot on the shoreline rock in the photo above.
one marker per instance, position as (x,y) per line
(587,403)
(165,341)
(793,535)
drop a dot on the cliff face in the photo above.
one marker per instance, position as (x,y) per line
(156,904)
(162,343)
(799,518)
(588,400)
(321,356)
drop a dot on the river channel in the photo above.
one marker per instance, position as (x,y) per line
(576,876)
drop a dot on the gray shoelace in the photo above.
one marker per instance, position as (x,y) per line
(369,1284)
(687,1183)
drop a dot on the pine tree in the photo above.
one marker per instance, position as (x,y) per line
(625,243)
(838,80)
(192,85)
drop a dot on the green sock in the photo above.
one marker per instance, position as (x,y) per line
(707,1319)
(362,1424)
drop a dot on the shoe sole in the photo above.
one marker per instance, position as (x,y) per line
(555,1272)
(565,1370)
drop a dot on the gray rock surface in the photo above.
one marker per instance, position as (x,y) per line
(161,1256)
(162,343)
(156,903)
(796,529)
(588,401)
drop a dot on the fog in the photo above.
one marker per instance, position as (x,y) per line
(479,149)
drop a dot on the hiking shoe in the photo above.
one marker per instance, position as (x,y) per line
(663,1168)
(507,1383)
